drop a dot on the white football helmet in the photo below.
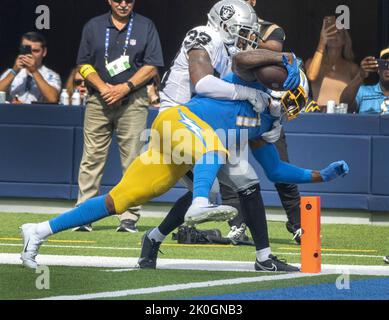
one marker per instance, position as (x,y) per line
(235,21)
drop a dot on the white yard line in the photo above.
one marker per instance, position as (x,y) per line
(176,287)
(121,264)
(138,249)
(71,247)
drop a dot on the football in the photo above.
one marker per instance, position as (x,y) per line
(272,76)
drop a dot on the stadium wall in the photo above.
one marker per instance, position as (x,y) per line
(41,148)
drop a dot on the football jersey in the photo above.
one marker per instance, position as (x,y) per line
(177,88)
(224,115)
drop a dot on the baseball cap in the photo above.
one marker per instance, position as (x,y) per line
(384,54)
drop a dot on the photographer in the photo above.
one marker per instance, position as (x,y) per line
(369,99)
(29,80)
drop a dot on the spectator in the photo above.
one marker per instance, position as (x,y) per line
(369,99)
(76,81)
(119,54)
(331,68)
(29,80)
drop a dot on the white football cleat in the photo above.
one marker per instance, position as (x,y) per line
(31,244)
(199,214)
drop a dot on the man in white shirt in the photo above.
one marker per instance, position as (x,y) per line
(29,80)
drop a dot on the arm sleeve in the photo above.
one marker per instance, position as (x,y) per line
(213,87)
(153,53)
(279,171)
(85,51)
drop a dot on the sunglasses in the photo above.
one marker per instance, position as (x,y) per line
(79,82)
(120,1)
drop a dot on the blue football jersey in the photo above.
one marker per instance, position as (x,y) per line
(224,115)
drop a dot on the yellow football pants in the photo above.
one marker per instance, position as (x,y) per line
(178,140)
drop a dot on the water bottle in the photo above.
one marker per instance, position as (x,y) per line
(331,106)
(76,98)
(64,98)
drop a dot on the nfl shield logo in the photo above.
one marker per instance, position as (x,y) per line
(133,42)
(226,12)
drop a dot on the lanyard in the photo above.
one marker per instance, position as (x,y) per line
(107,36)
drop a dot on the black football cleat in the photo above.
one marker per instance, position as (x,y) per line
(274,265)
(149,252)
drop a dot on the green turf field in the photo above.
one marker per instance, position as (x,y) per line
(342,245)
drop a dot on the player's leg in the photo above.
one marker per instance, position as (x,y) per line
(198,142)
(141,182)
(237,225)
(289,194)
(241,177)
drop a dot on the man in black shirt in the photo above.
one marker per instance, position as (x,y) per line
(119,54)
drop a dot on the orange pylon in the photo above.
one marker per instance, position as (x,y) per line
(310,239)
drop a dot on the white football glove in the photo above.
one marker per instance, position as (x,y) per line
(259,99)
(274,134)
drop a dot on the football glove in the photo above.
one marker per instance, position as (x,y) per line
(259,99)
(293,79)
(335,170)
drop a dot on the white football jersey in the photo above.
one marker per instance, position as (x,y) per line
(177,87)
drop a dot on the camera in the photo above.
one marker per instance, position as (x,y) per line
(25,49)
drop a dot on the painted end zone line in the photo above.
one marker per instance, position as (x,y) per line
(126,264)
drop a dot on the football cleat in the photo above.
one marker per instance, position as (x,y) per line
(149,252)
(273,264)
(31,244)
(237,235)
(296,230)
(127,226)
(386,259)
(197,214)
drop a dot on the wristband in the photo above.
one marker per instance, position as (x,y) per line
(86,70)
(13,72)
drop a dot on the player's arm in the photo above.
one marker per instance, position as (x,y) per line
(206,84)
(243,62)
(282,172)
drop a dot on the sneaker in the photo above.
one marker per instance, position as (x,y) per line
(296,230)
(84,228)
(237,235)
(149,252)
(196,215)
(274,265)
(386,259)
(31,244)
(127,226)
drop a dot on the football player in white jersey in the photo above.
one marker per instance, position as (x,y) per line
(207,51)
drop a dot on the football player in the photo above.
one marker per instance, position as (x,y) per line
(271,37)
(179,133)
(204,58)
